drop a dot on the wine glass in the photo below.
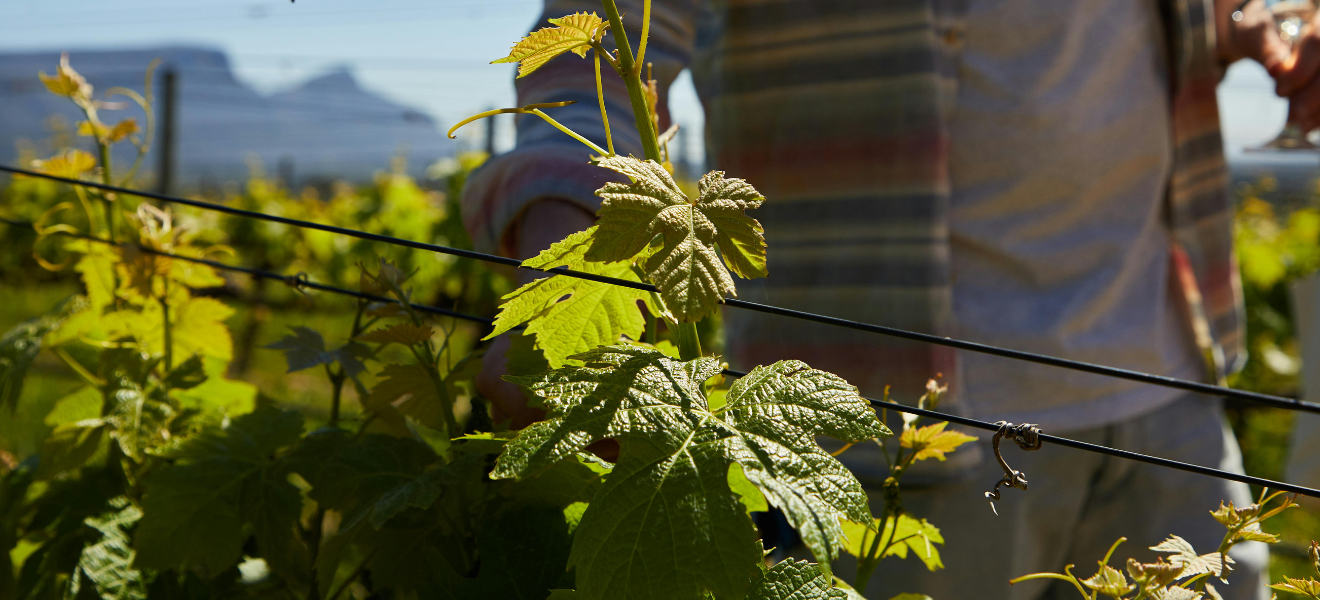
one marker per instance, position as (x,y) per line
(1291,17)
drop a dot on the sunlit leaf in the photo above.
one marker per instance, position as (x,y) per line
(795,580)
(686,270)
(573,33)
(1109,581)
(932,441)
(70,164)
(107,565)
(67,82)
(567,315)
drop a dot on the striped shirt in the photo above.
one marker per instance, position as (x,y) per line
(839,112)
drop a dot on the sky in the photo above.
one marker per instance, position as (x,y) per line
(428,54)
(432,55)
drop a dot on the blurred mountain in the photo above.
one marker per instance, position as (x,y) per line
(326,128)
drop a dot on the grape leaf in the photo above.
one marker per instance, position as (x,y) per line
(1109,581)
(1305,587)
(108,563)
(305,348)
(406,334)
(1176,593)
(195,511)
(375,477)
(573,33)
(686,270)
(795,580)
(18,348)
(670,486)
(524,552)
(97,266)
(1185,556)
(906,533)
(932,441)
(569,315)
(69,446)
(412,383)
(198,327)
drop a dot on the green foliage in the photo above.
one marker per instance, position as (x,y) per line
(675,450)
(196,509)
(795,580)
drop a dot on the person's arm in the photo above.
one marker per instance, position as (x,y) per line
(543,223)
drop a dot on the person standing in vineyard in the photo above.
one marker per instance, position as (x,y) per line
(1044,175)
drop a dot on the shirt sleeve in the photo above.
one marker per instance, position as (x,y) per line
(546,163)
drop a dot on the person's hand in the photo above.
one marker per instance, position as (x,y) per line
(1295,68)
(508,402)
(1252,33)
(541,225)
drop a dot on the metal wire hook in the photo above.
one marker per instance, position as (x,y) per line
(297,281)
(1027,437)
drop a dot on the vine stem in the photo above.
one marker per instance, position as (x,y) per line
(165,321)
(600,95)
(631,73)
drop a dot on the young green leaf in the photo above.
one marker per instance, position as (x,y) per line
(1109,581)
(904,533)
(195,510)
(932,441)
(796,580)
(687,269)
(574,33)
(671,483)
(569,315)
(1305,587)
(1177,593)
(18,348)
(1185,556)
(108,563)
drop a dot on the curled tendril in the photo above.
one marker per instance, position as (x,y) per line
(1027,437)
(534,109)
(45,231)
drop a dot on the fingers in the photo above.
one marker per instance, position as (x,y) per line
(1304,106)
(1302,67)
(1256,36)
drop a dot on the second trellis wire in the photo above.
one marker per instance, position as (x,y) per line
(299,282)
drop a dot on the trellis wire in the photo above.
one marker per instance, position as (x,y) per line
(878,404)
(1160,380)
